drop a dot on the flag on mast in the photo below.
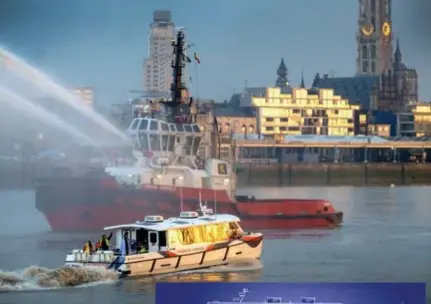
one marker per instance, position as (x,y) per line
(197,59)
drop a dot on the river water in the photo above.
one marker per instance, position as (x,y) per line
(386,237)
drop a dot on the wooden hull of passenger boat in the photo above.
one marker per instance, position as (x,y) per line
(248,248)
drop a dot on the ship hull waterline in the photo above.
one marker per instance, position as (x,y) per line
(72,209)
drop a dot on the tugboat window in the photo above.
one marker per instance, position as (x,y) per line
(222,169)
(165,127)
(171,144)
(196,143)
(143,125)
(180,127)
(136,142)
(196,128)
(154,142)
(143,138)
(153,125)
(188,145)
(165,139)
(135,124)
(172,127)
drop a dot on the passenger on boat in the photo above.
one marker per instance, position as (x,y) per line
(103,243)
(141,248)
(125,244)
(88,247)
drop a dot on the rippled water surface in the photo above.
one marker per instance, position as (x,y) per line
(386,237)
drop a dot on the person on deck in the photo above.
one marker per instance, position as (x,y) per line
(141,249)
(88,247)
(104,243)
(125,244)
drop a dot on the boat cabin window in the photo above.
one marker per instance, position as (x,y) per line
(188,128)
(154,142)
(143,138)
(172,127)
(200,234)
(150,240)
(135,124)
(196,128)
(180,127)
(165,127)
(153,125)
(143,125)
(165,139)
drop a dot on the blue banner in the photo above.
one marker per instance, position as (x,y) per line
(292,293)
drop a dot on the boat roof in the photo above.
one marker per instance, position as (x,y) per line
(177,222)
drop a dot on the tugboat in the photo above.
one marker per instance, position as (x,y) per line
(158,246)
(169,177)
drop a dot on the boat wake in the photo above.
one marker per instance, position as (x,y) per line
(37,278)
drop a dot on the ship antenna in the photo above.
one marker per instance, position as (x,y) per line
(178,87)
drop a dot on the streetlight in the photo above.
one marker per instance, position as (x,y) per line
(180,179)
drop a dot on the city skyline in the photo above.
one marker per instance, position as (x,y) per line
(106,48)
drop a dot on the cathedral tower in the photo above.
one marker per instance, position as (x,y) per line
(282,80)
(374,37)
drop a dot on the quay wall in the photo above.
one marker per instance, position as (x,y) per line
(334,174)
(23,175)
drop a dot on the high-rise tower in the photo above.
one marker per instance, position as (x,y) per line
(374,37)
(157,67)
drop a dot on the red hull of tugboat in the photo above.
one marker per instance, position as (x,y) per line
(85,204)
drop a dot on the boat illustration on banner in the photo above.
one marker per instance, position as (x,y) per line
(242,295)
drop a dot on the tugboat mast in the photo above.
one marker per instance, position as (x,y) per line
(178,88)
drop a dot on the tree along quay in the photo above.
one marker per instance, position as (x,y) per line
(334,174)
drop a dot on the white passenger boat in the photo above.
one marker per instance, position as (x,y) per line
(195,240)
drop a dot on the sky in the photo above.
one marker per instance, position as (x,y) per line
(346,293)
(102,43)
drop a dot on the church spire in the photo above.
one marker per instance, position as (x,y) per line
(302,80)
(398,57)
(282,75)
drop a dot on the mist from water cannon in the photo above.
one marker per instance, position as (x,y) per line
(44,83)
(39,113)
